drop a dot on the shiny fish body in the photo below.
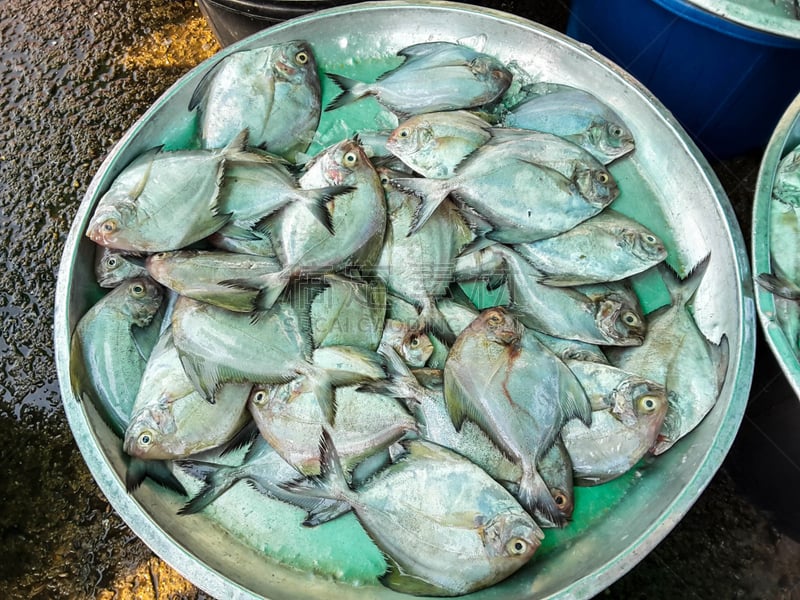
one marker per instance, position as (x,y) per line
(605,317)
(519,393)
(434,144)
(434,423)
(171,420)
(273,92)
(523,201)
(112,267)
(219,346)
(289,417)
(109,352)
(628,412)
(575,115)
(349,312)
(676,354)
(607,247)
(419,267)
(205,275)
(165,200)
(445,527)
(358,217)
(251,191)
(264,469)
(434,76)
(590,176)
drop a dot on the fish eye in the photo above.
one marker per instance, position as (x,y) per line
(560,499)
(350,159)
(384,179)
(404,133)
(301,58)
(414,341)
(259,397)
(602,177)
(630,318)
(648,404)
(615,130)
(517,546)
(137,290)
(109,225)
(112,262)
(145,439)
(494,319)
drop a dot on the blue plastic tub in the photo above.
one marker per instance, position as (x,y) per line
(727,83)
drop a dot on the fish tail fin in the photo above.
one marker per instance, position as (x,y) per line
(331,483)
(432,321)
(348,95)
(682,291)
(338,366)
(157,470)
(535,497)
(262,294)
(431,193)
(217,479)
(316,201)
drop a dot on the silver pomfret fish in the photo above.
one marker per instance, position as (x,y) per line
(445,527)
(165,200)
(628,412)
(519,393)
(522,200)
(676,354)
(594,181)
(274,92)
(205,275)
(607,247)
(435,76)
(108,357)
(358,217)
(419,267)
(575,115)
(434,144)
(607,316)
(289,417)
(171,420)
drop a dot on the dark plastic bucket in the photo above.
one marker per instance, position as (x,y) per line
(728,84)
(233,20)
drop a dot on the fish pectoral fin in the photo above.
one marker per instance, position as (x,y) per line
(456,401)
(573,399)
(396,579)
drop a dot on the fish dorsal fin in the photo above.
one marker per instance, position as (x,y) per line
(150,157)
(202,87)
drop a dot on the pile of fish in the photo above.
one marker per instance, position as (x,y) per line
(435,330)
(784,244)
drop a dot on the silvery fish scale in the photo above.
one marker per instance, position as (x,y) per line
(225,556)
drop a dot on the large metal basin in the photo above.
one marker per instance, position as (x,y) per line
(230,551)
(785,138)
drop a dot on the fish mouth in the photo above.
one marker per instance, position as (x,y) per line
(508,335)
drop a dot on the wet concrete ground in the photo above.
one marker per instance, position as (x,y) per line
(74,76)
